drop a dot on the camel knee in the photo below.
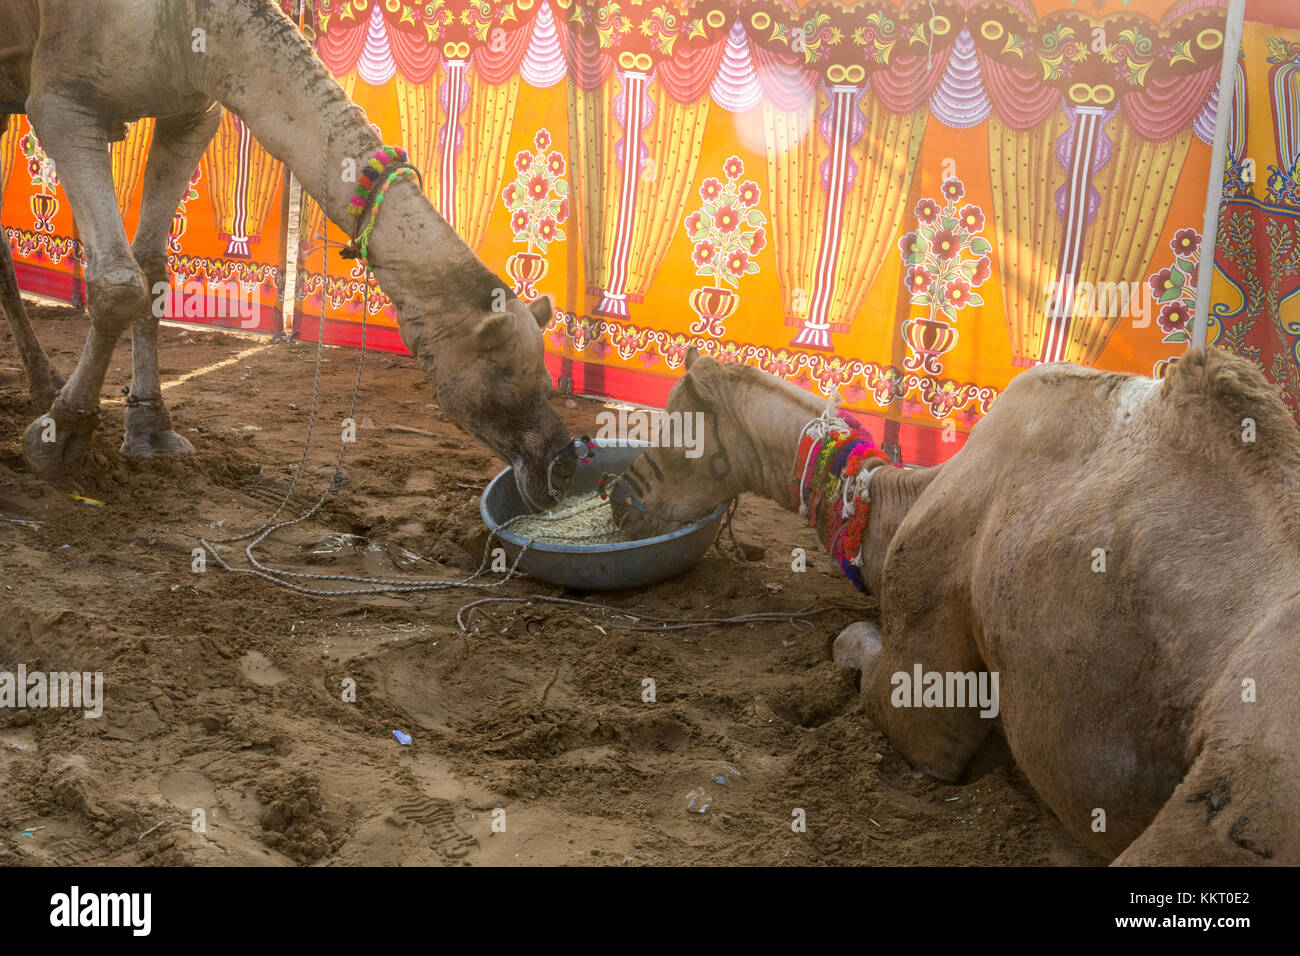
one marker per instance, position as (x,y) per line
(943,739)
(858,646)
(116,297)
(160,295)
(153,266)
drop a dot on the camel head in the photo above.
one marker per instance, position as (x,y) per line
(490,378)
(665,489)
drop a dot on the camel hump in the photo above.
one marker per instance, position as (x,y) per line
(1237,397)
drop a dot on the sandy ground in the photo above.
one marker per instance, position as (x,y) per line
(223,692)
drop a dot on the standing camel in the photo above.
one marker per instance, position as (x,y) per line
(88,67)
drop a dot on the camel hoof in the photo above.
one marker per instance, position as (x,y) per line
(56,443)
(41,397)
(149,432)
(167,442)
(45,387)
(858,646)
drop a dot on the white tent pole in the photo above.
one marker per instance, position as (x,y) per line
(293,226)
(1232,30)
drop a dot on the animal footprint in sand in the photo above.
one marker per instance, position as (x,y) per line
(75,851)
(259,670)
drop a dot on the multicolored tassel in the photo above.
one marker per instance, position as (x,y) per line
(834,495)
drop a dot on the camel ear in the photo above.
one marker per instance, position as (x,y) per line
(542,308)
(701,384)
(492,329)
(692,354)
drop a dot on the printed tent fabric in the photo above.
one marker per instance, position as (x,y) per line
(128,156)
(831,238)
(648,170)
(922,203)
(244,180)
(1255,310)
(313,220)
(903,202)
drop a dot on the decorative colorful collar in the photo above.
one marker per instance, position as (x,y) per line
(831,485)
(373,181)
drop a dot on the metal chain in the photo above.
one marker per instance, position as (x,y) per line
(270,526)
(799,617)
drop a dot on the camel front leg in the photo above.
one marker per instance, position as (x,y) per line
(926,659)
(178,144)
(115,286)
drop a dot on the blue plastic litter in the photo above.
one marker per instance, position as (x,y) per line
(725,774)
(403,739)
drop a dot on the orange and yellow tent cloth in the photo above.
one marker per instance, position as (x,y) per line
(904,202)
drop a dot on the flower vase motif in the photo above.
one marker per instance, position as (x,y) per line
(928,339)
(41,171)
(44,208)
(727,232)
(1162,366)
(538,202)
(946,260)
(713,306)
(527,269)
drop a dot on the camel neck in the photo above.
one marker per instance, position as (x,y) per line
(776,445)
(893,492)
(774,429)
(263,70)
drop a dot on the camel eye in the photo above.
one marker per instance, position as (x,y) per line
(505,398)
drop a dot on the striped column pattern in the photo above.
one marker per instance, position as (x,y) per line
(1284,79)
(1087,132)
(815,332)
(455,94)
(613,300)
(238,245)
(1237,114)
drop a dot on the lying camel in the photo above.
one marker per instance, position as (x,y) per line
(85,69)
(1123,553)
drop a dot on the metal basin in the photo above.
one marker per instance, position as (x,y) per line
(598,567)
